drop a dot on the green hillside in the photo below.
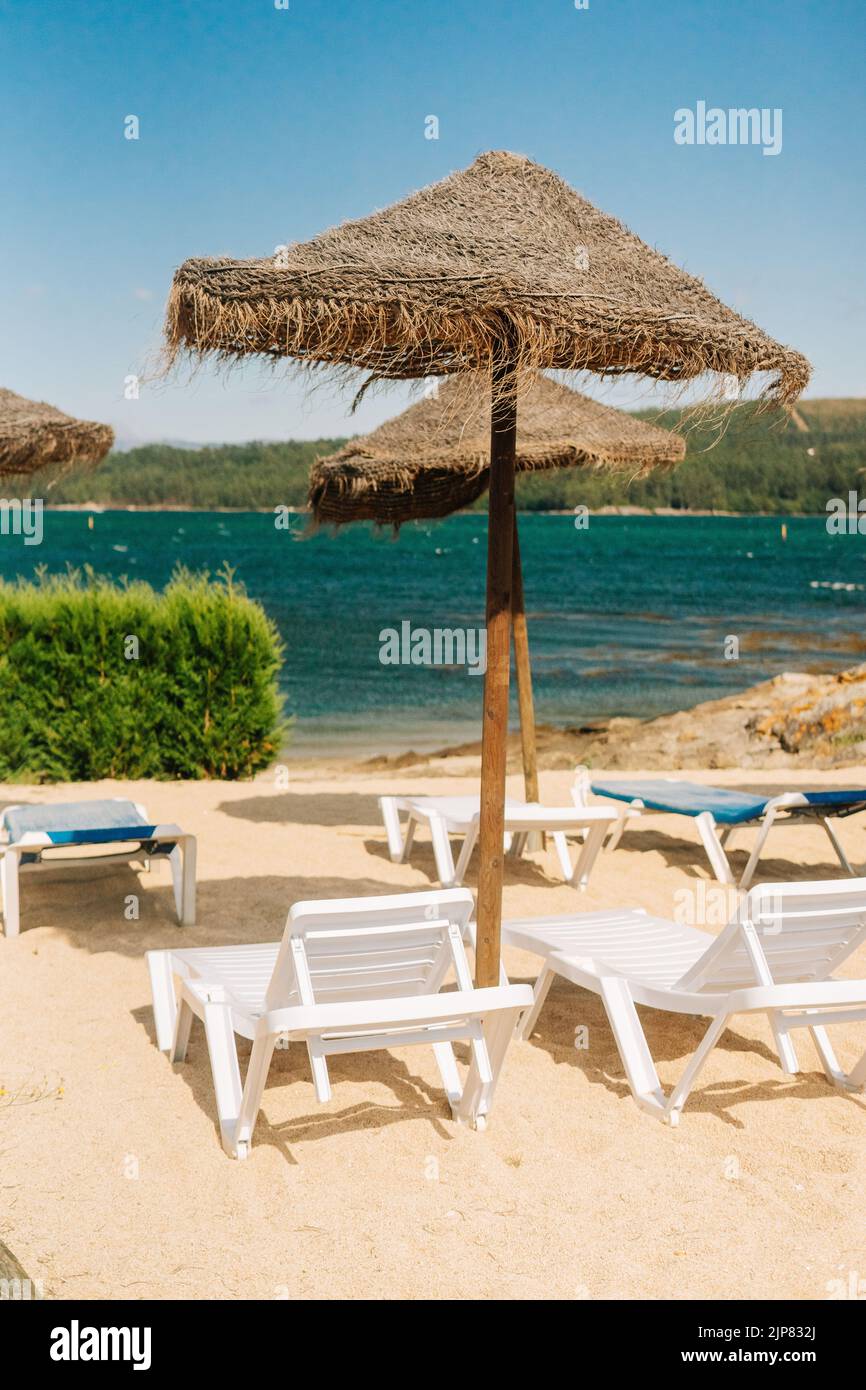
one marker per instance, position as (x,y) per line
(244,476)
(751,461)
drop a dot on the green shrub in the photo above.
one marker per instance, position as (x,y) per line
(200,698)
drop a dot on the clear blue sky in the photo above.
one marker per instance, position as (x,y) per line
(260,126)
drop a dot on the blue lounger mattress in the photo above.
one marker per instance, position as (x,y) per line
(727,807)
(79,822)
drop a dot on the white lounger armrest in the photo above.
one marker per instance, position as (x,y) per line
(822,994)
(379,1014)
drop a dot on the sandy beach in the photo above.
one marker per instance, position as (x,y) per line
(114,1184)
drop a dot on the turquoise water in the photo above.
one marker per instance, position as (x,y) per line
(627,617)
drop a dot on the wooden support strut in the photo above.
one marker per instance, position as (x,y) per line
(494,733)
(524,674)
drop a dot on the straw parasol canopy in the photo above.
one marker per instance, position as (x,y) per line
(429,286)
(34,435)
(434,458)
(501,270)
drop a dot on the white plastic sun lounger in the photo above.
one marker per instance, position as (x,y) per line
(445,816)
(718,812)
(50,836)
(349,975)
(776,958)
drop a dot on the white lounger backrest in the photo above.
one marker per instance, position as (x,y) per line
(784,933)
(369,948)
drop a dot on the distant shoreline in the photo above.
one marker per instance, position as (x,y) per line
(97,507)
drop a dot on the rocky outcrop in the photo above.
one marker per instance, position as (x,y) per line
(816,720)
(826,721)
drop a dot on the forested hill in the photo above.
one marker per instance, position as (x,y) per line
(242,476)
(759,462)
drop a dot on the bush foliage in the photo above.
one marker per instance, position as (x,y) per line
(104,680)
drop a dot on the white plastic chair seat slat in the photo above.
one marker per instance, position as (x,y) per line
(243,972)
(388,969)
(375,938)
(408,951)
(371,950)
(378,986)
(633,943)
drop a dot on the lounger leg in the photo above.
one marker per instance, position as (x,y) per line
(636,1057)
(855,1080)
(837,845)
(622,820)
(616,831)
(162,992)
(857,1075)
(447,1064)
(9,884)
(182,861)
(223,1054)
(254,1085)
(560,844)
(826,1052)
(319,1068)
(539,994)
(409,839)
(680,1093)
(391,817)
(442,852)
(788,1059)
(766,827)
(486,1068)
(718,859)
(589,853)
(182,1026)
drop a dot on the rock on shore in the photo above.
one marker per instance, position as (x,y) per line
(816,720)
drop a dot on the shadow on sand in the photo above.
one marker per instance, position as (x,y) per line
(306,808)
(415,1098)
(90,909)
(671,1038)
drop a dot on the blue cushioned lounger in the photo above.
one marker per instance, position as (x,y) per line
(31,831)
(711,807)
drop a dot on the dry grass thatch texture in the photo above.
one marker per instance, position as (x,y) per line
(34,436)
(433,459)
(501,251)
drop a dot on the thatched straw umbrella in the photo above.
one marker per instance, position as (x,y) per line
(433,460)
(498,269)
(34,435)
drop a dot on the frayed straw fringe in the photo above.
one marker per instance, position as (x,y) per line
(36,436)
(393,343)
(443,281)
(433,459)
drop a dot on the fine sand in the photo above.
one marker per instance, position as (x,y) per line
(114,1184)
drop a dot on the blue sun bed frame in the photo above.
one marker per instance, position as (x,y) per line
(48,836)
(719,811)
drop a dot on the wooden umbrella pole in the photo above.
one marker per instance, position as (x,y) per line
(494,731)
(524,673)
